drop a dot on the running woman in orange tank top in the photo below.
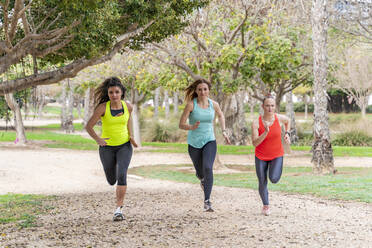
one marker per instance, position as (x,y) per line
(267,138)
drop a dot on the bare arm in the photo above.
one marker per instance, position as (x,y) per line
(221,119)
(287,127)
(185,115)
(98,112)
(130,125)
(256,138)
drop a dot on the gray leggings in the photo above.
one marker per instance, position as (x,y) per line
(275,168)
(115,161)
(203,159)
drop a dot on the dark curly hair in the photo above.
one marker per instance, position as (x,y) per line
(101,93)
(191,90)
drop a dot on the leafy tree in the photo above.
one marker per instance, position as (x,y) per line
(72,35)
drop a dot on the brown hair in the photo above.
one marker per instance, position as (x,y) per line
(191,90)
(268,96)
(101,93)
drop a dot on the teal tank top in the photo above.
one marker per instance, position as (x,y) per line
(204,133)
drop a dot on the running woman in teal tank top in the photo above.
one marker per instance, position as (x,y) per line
(202,147)
(115,145)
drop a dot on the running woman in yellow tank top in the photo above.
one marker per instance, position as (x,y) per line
(115,144)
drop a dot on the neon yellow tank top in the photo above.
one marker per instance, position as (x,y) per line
(115,128)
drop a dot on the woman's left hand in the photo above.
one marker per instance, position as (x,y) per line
(133,142)
(287,139)
(226,138)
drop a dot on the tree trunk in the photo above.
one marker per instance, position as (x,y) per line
(40,101)
(322,158)
(156,102)
(306,106)
(78,108)
(18,123)
(233,109)
(363,108)
(135,125)
(291,114)
(67,108)
(166,104)
(88,105)
(135,99)
(252,103)
(175,102)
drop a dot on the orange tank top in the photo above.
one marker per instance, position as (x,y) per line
(271,147)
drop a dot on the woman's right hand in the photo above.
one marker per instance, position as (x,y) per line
(102,141)
(267,127)
(195,126)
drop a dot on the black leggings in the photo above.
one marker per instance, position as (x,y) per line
(203,159)
(115,161)
(275,168)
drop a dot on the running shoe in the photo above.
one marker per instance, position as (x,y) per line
(118,217)
(208,206)
(266,210)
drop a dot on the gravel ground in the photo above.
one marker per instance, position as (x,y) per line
(166,214)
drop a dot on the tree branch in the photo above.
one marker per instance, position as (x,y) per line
(236,30)
(67,71)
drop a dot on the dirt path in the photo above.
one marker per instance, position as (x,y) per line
(166,214)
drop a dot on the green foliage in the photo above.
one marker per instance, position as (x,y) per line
(348,184)
(22,209)
(300,107)
(4,109)
(349,118)
(277,57)
(161,131)
(369,109)
(353,138)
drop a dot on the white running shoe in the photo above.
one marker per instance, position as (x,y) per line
(208,206)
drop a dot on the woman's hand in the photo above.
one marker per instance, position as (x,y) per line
(195,126)
(224,133)
(287,138)
(267,126)
(102,141)
(133,142)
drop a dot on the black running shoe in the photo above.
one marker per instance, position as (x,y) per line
(118,217)
(208,206)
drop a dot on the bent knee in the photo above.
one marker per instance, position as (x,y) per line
(111,182)
(274,179)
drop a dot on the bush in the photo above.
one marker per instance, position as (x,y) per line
(353,138)
(300,107)
(344,118)
(304,138)
(369,109)
(162,131)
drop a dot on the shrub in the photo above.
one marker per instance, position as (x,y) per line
(300,107)
(304,138)
(353,138)
(162,131)
(369,109)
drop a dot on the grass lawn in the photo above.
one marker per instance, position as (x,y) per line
(348,184)
(77,142)
(22,209)
(338,151)
(55,140)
